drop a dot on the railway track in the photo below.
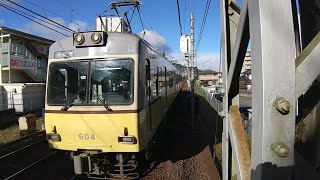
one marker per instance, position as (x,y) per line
(21,143)
(22,154)
(12,176)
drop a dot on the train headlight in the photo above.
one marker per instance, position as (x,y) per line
(89,39)
(79,39)
(53,137)
(96,38)
(127,139)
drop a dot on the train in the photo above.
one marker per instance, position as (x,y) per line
(107,93)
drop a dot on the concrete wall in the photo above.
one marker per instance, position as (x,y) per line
(16,76)
(208,77)
(24,97)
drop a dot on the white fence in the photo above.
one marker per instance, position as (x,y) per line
(213,99)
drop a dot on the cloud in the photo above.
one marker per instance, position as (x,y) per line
(37,29)
(203,61)
(2,22)
(208,61)
(156,40)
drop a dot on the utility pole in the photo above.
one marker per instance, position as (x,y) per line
(192,50)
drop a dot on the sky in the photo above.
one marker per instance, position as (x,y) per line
(160,23)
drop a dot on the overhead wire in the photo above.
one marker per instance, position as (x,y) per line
(36,17)
(204,20)
(56,14)
(41,16)
(179,18)
(184,15)
(88,20)
(159,41)
(32,20)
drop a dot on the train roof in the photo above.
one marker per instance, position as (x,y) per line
(117,44)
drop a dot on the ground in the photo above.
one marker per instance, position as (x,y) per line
(184,148)
(10,132)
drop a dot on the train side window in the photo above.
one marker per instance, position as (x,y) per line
(170,82)
(153,83)
(148,69)
(160,78)
(158,83)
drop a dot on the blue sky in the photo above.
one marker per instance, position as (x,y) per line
(162,16)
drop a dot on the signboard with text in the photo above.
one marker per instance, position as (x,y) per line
(20,63)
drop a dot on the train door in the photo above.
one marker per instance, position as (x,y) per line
(148,95)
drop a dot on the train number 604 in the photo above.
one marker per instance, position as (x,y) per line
(86,136)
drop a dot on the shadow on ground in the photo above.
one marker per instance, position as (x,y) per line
(180,137)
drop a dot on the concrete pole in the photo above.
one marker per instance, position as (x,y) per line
(1,40)
(192,48)
(0,74)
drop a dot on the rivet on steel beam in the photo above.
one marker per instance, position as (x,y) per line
(282,105)
(281,149)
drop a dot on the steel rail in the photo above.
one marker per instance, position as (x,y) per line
(39,134)
(31,165)
(21,148)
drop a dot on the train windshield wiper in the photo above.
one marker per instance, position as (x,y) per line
(70,102)
(105,105)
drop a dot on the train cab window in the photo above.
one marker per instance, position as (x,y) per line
(93,83)
(67,82)
(111,82)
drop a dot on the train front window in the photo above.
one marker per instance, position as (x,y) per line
(67,82)
(91,82)
(111,82)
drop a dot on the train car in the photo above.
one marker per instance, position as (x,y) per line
(106,95)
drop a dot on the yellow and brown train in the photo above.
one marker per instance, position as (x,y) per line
(107,93)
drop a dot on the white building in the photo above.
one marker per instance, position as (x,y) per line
(23,63)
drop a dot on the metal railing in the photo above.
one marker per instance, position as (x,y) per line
(213,101)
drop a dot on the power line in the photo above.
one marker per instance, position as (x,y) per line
(159,41)
(153,34)
(35,17)
(178,6)
(55,14)
(184,15)
(204,20)
(31,19)
(88,20)
(41,16)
